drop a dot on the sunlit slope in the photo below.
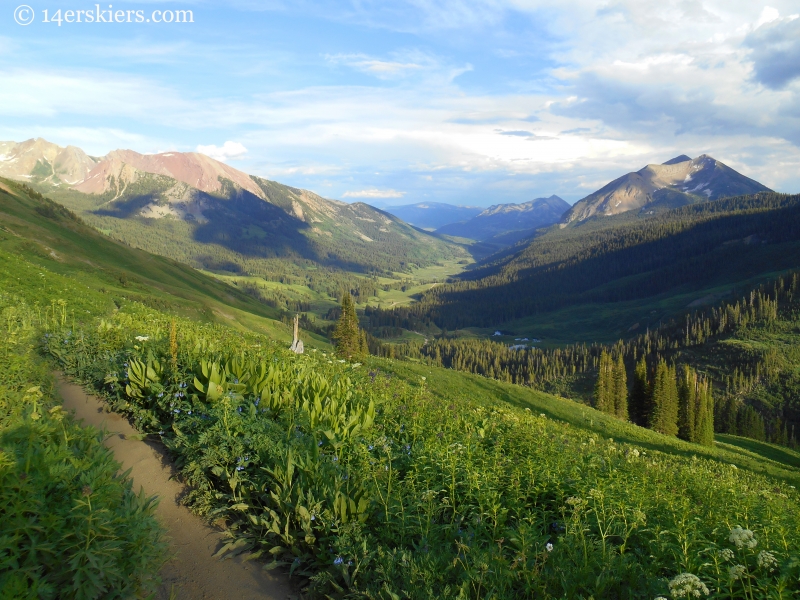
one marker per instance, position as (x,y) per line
(43,233)
(451,386)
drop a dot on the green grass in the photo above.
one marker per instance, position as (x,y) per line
(455,386)
(71,249)
(395,479)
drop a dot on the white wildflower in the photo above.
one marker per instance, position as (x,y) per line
(736,572)
(726,554)
(549,547)
(767,560)
(743,538)
(687,585)
(142,338)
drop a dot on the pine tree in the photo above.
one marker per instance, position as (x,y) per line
(604,388)
(620,389)
(704,416)
(349,339)
(687,404)
(664,417)
(638,405)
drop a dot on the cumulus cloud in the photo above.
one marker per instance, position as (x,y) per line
(229,150)
(374,193)
(775,46)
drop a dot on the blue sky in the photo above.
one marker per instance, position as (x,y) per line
(398,102)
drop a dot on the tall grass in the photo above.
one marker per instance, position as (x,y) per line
(71,525)
(370,485)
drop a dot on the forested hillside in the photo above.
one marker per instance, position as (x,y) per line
(623,258)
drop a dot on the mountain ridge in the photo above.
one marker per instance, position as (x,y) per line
(510,222)
(142,198)
(677,182)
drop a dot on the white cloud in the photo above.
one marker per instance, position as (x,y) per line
(228,151)
(374,193)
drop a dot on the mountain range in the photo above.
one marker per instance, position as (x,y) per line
(508,223)
(193,208)
(433,215)
(677,182)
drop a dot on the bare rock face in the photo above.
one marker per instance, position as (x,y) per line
(41,160)
(677,182)
(197,170)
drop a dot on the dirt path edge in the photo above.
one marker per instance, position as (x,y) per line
(193,572)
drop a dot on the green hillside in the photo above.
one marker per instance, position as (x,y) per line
(389,479)
(50,236)
(293,237)
(628,265)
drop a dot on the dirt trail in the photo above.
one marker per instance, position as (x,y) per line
(193,572)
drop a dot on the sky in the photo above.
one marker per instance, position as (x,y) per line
(471,103)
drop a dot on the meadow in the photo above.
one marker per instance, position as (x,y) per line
(363,480)
(385,479)
(72,526)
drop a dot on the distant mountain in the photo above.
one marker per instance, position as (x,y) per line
(508,223)
(433,215)
(43,161)
(192,208)
(677,182)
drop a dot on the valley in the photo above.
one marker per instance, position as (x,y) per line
(438,429)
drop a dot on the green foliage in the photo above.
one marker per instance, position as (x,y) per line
(351,342)
(664,418)
(71,526)
(373,484)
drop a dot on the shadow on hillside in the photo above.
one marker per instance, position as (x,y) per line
(125,208)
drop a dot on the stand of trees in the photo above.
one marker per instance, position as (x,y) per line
(644,360)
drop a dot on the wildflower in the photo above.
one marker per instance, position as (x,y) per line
(736,572)
(726,554)
(549,547)
(767,560)
(687,585)
(743,538)
(339,560)
(142,338)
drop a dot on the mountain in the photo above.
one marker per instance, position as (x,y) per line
(593,282)
(509,223)
(41,160)
(203,212)
(433,215)
(677,182)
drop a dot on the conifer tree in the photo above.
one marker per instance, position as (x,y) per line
(664,417)
(620,389)
(704,416)
(347,336)
(604,387)
(638,405)
(687,404)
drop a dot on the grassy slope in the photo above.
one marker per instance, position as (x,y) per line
(450,386)
(92,260)
(68,247)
